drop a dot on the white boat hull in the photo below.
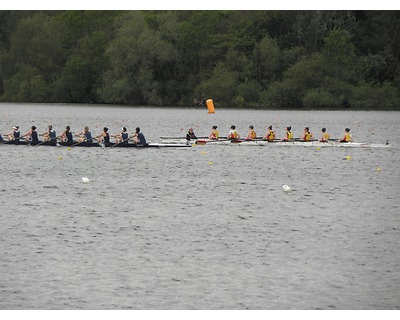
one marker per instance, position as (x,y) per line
(280,143)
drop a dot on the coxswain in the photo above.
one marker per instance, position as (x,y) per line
(233,134)
(138,137)
(214,135)
(288,135)
(307,136)
(86,135)
(67,136)
(347,136)
(15,134)
(33,137)
(252,134)
(190,135)
(104,137)
(123,136)
(50,135)
(325,135)
(270,135)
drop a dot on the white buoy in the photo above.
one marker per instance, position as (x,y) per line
(85,180)
(286,188)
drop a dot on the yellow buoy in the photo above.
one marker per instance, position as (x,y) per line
(59,158)
(348,158)
(210,163)
(85,180)
(210,106)
(286,188)
(378,169)
(69,148)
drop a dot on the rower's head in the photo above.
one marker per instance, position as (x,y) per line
(33,128)
(190,129)
(68,128)
(137,130)
(86,128)
(15,127)
(289,128)
(50,127)
(214,127)
(251,127)
(323,129)
(270,127)
(347,129)
(105,129)
(233,127)
(307,129)
(124,129)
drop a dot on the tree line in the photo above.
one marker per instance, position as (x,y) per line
(240,59)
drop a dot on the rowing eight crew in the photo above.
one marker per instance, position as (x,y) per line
(271,136)
(85,136)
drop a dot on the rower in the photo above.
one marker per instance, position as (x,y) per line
(67,136)
(87,135)
(50,135)
(270,135)
(122,137)
(214,135)
(15,134)
(33,137)
(233,134)
(288,135)
(104,137)
(325,135)
(138,137)
(190,135)
(252,134)
(307,136)
(347,136)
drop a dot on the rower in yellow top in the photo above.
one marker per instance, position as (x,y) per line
(325,136)
(288,135)
(233,134)
(347,136)
(252,134)
(307,136)
(270,135)
(214,135)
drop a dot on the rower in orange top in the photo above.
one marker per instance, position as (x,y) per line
(214,135)
(347,136)
(307,136)
(325,136)
(270,135)
(233,134)
(288,135)
(252,134)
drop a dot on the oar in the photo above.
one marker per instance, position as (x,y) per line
(118,143)
(40,143)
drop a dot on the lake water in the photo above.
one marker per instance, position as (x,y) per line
(207,227)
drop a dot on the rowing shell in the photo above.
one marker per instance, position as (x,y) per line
(93,144)
(283,143)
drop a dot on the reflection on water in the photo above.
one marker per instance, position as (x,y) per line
(207,227)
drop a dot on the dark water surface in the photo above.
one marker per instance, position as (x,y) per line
(206,227)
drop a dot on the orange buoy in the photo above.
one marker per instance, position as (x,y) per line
(210,106)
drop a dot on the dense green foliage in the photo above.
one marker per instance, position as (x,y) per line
(246,59)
